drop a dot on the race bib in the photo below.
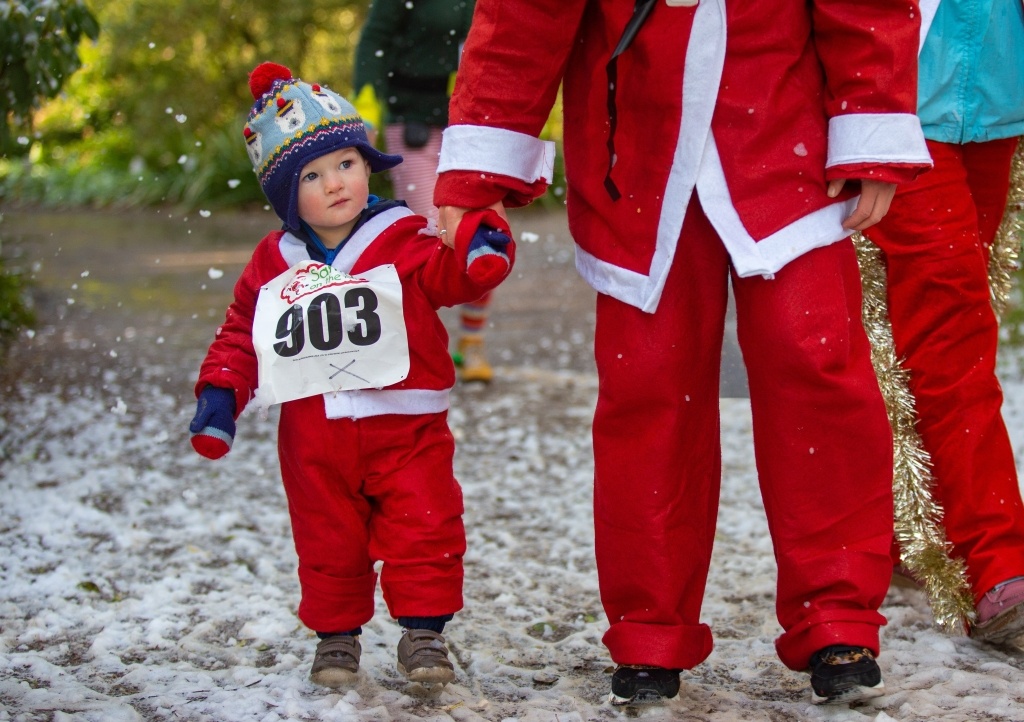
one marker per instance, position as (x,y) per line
(318,330)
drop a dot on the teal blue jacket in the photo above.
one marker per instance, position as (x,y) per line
(971,77)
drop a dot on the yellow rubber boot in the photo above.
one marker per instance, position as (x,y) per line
(475,366)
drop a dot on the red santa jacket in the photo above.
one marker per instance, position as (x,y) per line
(431,277)
(752,105)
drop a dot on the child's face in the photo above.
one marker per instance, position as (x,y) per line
(333,190)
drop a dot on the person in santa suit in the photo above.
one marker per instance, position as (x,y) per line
(335,318)
(706,143)
(935,244)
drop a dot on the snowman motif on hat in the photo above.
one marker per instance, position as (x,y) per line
(326,101)
(253,145)
(290,115)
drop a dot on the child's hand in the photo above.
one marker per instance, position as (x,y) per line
(213,426)
(488,253)
(875,199)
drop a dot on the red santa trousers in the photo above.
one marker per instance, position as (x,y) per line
(822,446)
(359,491)
(935,240)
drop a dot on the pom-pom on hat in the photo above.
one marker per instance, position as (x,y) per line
(292,123)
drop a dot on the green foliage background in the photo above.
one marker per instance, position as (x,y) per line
(38,53)
(115,103)
(155,113)
(38,47)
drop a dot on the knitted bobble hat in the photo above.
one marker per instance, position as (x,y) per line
(292,123)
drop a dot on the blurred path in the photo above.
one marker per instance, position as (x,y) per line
(158,279)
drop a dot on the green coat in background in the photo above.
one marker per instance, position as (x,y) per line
(406,58)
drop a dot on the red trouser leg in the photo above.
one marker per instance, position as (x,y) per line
(379,488)
(823,453)
(823,449)
(935,240)
(657,456)
(416,525)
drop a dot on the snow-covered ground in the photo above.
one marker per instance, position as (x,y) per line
(141,582)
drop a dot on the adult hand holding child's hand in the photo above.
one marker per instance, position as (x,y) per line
(483,243)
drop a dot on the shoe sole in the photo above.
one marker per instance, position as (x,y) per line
(334,677)
(641,697)
(1002,628)
(428,675)
(852,694)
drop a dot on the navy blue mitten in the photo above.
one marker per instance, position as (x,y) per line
(213,426)
(489,252)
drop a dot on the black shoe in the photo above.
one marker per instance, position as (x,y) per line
(637,683)
(842,674)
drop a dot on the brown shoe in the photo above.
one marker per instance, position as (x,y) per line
(336,663)
(423,657)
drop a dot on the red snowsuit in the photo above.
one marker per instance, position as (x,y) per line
(368,473)
(935,242)
(752,108)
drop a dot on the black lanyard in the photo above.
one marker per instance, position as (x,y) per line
(640,12)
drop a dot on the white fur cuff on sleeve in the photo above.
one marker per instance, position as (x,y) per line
(496,150)
(876,138)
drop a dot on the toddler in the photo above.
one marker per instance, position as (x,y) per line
(335,318)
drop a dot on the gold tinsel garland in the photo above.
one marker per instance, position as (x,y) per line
(918,517)
(1002,261)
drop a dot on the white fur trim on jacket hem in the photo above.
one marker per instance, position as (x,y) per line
(496,150)
(887,138)
(768,255)
(620,283)
(749,257)
(378,402)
